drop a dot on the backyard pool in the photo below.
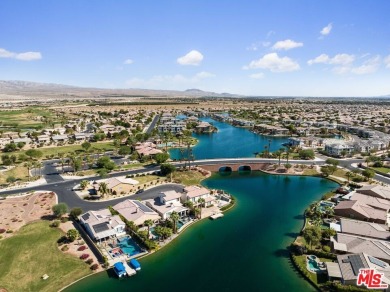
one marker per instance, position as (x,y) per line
(129,246)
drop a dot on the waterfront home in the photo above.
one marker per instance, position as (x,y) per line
(118,185)
(166,203)
(203,127)
(373,202)
(360,211)
(350,264)
(347,243)
(366,229)
(136,211)
(194,193)
(101,224)
(375,191)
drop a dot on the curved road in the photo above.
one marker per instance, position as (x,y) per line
(63,189)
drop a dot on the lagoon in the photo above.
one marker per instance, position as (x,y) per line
(230,142)
(243,251)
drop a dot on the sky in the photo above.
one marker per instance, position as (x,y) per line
(264,48)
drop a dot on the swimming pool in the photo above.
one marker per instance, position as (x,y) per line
(129,246)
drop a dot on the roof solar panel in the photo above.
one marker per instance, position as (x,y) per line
(377,262)
(356,263)
(85,216)
(100,227)
(143,207)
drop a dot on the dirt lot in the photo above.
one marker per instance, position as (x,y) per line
(18,211)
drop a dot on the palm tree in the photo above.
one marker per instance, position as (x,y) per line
(28,165)
(278,153)
(174,217)
(61,156)
(288,151)
(84,184)
(266,151)
(103,189)
(148,223)
(201,202)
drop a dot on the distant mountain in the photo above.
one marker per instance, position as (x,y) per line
(26,88)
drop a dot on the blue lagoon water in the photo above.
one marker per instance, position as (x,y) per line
(230,142)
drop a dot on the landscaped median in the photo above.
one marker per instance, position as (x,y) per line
(32,253)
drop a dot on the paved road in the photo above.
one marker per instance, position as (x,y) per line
(66,195)
(153,124)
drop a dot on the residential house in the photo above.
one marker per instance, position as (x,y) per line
(166,203)
(118,185)
(360,211)
(136,212)
(195,193)
(346,243)
(350,264)
(375,191)
(365,229)
(101,224)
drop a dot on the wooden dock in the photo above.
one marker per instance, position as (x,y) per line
(130,271)
(216,216)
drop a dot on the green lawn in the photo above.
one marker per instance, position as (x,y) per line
(106,146)
(381,169)
(33,252)
(25,118)
(318,279)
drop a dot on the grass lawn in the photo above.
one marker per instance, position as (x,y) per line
(188,177)
(19,172)
(33,252)
(340,173)
(309,171)
(25,118)
(316,278)
(381,169)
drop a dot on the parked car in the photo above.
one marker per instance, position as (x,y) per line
(139,191)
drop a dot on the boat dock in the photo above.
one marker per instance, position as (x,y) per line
(129,271)
(216,216)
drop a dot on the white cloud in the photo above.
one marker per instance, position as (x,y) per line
(168,81)
(257,75)
(387,61)
(6,54)
(274,63)
(286,45)
(339,59)
(368,67)
(128,62)
(26,56)
(344,63)
(326,30)
(193,58)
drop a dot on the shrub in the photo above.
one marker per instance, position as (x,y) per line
(2,230)
(56,223)
(81,248)
(64,219)
(94,267)
(75,212)
(84,256)
(65,248)
(326,248)
(9,231)
(89,261)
